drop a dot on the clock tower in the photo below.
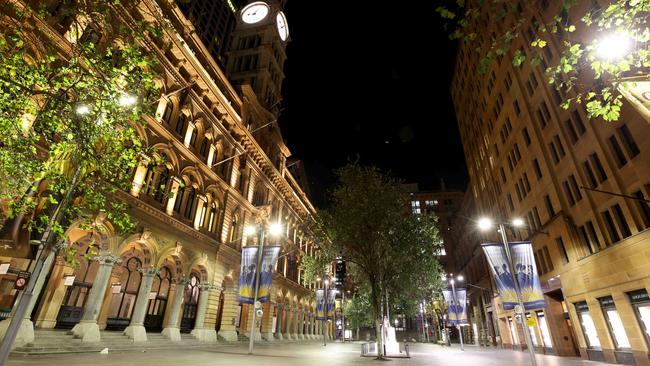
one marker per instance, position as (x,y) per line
(257,51)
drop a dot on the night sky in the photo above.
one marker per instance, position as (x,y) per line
(371,82)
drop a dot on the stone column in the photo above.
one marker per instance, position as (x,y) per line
(26,331)
(171,329)
(301,324)
(267,321)
(200,332)
(310,326)
(87,329)
(227,330)
(55,293)
(278,321)
(291,318)
(136,330)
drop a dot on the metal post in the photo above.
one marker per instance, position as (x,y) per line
(456,304)
(529,342)
(326,313)
(260,254)
(343,316)
(424,336)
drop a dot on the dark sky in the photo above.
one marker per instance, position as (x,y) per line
(371,80)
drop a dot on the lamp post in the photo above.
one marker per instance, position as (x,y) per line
(326,282)
(275,230)
(455,303)
(486,224)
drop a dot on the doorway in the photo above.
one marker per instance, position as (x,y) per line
(191,301)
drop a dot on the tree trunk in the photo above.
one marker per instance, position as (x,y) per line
(375,297)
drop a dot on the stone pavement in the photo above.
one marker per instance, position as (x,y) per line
(308,354)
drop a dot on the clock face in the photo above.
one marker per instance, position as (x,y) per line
(254,12)
(283,27)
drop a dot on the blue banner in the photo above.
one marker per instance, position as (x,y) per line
(525,272)
(247,274)
(331,302)
(266,277)
(320,304)
(456,310)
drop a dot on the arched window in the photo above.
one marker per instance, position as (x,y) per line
(203,150)
(161,185)
(234,227)
(90,35)
(149,180)
(179,199)
(190,204)
(212,218)
(195,134)
(167,114)
(181,124)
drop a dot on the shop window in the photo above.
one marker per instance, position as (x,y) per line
(641,303)
(543,328)
(614,323)
(513,331)
(588,327)
(531,330)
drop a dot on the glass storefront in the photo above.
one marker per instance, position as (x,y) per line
(543,328)
(531,330)
(641,303)
(513,331)
(587,323)
(614,323)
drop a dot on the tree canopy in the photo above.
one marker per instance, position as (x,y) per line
(70,110)
(388,248)
(602,48)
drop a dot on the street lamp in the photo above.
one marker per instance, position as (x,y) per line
(517,222)
(326,310)
(275,230)
(127,100)
(455,303)
(614,46)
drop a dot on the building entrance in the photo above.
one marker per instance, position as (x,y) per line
(190,301)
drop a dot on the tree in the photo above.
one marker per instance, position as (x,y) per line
(389,249)
(357,311)
(602,48)
(69,114)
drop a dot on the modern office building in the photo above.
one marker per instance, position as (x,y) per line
(580,184)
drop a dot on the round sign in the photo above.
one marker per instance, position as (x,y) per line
(258,305)
(20,282)
(519,309)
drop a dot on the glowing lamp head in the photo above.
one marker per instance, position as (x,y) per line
(484,223)
(518,222)
(327,282)
(460,278)
(127,100)
(275,229)
(250,230)
(614,46)
(82,109)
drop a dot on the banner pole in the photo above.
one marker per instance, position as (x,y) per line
(460,330)
(326,313)
(260,254)
(529,342)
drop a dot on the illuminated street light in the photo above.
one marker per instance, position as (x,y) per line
(82,109)
(517,222)
(275,229)
(127,100)
(250,230)
(484,223)
(460,278)
(614,46)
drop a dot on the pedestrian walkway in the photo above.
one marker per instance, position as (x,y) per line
(282,354)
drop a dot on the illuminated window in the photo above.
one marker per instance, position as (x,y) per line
(614,322)
(415,206)
(587,323)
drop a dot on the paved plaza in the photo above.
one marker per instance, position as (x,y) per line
(311,354)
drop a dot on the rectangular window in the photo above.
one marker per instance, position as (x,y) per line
(611,228)
(537,168)
(614,323)
(562,249)
(526,183)
(510,204)
(641,303)
(549,206)
(503,175)
(584,237)
(630,145)
(526,136)
(591,178)
(573,136)
(577,122)
(602,176)
(560,146)
(543,328)
(547,257)
(620,219)
(593,238)
(515,104)
(538,222)
(617,152)
(587,324)
(542,262)
(554,153)
(575,188)
(643,207)
(569,194)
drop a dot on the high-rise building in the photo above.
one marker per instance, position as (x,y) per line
(580,184)
(213,21)
(257,52)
